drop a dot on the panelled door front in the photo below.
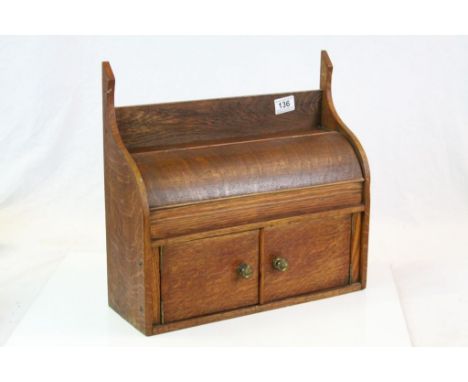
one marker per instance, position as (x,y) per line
(306,256)
(209,275)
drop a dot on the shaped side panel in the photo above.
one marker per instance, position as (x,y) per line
(131,263)
(331,120)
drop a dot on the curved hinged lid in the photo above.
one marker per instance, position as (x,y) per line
(181,176)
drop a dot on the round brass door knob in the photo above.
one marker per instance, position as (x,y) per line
(280,264)
(245,271)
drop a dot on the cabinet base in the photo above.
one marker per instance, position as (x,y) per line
(158,329)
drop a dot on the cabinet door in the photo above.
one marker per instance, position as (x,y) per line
(209,275)
(306,256)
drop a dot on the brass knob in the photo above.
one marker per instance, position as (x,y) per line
(280,264)
(245,271)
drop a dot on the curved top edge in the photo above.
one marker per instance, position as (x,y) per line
(110,122)
(330,117)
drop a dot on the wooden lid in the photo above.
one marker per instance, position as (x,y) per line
(202,173)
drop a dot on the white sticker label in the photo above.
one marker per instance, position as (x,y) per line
(285,104)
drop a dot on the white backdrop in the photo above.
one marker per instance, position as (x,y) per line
(406,98)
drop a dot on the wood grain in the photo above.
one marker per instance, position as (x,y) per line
(331,120)
(159,329)
(209,173)
(317,252)
(262,224)
(356,225)
(212,215)
(200,277)
(261,260)
(166,125)
(130,269)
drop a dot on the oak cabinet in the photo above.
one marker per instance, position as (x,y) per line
(226,207)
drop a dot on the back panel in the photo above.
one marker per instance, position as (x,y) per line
(158,126)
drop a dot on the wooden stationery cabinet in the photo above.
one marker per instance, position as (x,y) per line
(221,208)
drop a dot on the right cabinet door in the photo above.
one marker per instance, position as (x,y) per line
(307,256)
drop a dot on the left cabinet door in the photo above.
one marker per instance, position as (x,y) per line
(209,275)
